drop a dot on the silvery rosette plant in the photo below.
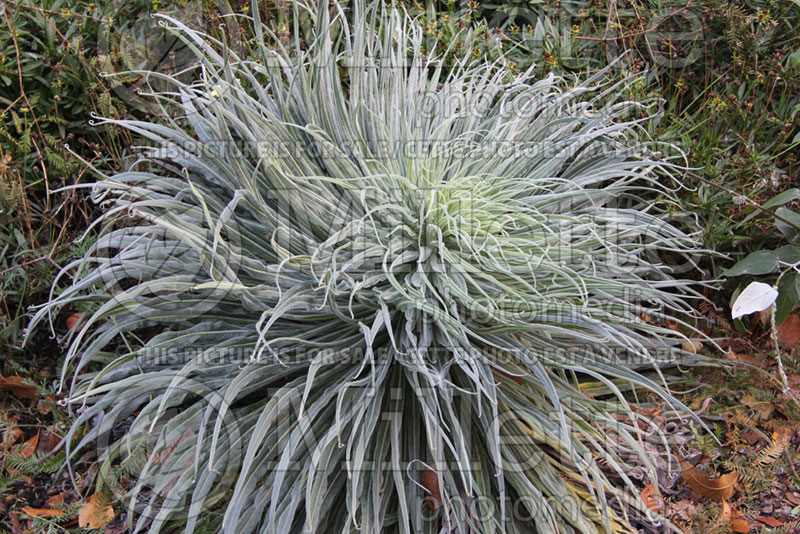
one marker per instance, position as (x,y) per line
(346,286)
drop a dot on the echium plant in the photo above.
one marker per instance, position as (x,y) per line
(350,287)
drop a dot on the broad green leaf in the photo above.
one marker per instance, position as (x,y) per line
(794,57)
(791,231)
(797,286)
(782,198)
(740,327)
(758,262)
(788,255)
(787,296)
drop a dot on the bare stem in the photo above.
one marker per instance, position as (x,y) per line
(784,379)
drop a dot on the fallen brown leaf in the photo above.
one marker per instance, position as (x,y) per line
(734,518)
(784,433)
(721,488)
(29,447)
(16,526)
(763,409)
(794,382)
(740,524)
(12,435)
(682,510)
(764,316)
(18,387)
(431,483)
(46,405)
(792,526)
(42,512)
(649,412)
(56,501)
(651,500)
(48,441)
(769,521)
(692,346)
(75,319)
(789,331)
(96,512)
(745,359)
(751,436)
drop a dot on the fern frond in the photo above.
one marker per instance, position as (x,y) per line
(769,454)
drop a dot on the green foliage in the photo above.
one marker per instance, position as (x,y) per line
(736,108)
(53,54)
(49,84)
(305,315)
(726,70)
(6,482)
(37,463)
(783,261)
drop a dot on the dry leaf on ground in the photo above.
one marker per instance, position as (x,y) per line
(56,501)
(746,359)
(721,488)
(29,447)
(763,409)
(431,483)
(48,441)
(42,512)
(734,518)
(18,387)
(739,524)
(653,502)
(692,346)
(789,331)
(75,319)
(12,435)
(96,512)
(770,521)
(794,382)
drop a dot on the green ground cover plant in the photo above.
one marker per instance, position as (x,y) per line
(49,83)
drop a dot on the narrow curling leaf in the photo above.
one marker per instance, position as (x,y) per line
(343,261)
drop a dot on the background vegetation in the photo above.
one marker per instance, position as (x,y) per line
(728,73)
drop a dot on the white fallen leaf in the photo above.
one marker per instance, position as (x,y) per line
(756,297)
